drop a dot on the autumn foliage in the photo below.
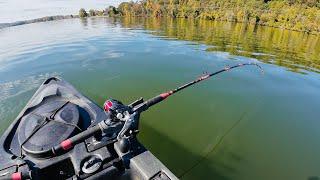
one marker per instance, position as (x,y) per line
(299,15)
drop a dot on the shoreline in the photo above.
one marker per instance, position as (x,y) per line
(42,19)
(61,17)
(226,21)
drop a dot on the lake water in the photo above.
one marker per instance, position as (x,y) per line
(239,125)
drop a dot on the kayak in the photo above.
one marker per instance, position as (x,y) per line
(61,134)
(54,137)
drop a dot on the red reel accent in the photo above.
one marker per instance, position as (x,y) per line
(107,105)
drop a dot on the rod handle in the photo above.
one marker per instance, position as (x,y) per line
(157,99)
(71,142)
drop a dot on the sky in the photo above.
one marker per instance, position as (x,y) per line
(17,10)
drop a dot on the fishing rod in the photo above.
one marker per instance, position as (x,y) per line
(163,96)
(120,126)
(129,115)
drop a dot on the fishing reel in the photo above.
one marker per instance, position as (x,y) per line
(116,109)
(118,112)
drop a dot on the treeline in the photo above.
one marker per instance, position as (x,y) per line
(83,13)
(299,15)
(290,49)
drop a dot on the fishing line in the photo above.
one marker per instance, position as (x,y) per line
(163,96)
(215,146)
(220,141)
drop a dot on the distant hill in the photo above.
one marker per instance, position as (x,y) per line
(3,25)
(43,19)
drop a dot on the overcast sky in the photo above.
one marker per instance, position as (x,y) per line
(15,10)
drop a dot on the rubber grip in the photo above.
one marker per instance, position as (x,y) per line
(85,134)
(154,100)
(69,143)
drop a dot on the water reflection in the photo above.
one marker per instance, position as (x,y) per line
(295,50)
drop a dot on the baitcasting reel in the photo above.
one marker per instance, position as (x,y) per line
(119,112)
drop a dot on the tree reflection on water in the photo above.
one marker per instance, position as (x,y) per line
(295,50)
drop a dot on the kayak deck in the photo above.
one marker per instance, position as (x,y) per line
(56,112)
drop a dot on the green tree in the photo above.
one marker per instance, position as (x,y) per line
(92,12)
(82,13)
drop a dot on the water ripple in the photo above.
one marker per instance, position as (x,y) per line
(19,86)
